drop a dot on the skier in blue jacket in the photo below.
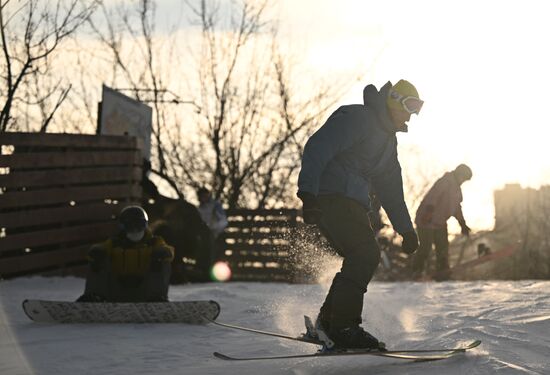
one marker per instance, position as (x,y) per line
(352,154)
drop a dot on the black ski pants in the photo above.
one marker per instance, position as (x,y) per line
(345,224)
(429,237)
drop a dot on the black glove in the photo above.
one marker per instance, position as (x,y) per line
(410,242)
(158,257)
(96,256)
(311,210)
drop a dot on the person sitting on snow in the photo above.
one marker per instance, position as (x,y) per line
(132,266)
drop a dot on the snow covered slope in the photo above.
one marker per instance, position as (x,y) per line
(511,318)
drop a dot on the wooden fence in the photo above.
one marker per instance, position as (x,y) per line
(275,245)
(58,194)
(258,244)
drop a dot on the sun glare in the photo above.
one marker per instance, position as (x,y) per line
(484,87)
(220,272)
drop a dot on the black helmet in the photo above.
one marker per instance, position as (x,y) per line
(133,219)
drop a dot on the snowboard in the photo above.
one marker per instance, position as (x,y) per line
(190,312)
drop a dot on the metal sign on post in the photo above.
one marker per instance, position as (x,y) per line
(122,115)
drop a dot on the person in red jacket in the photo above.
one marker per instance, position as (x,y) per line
(441,202)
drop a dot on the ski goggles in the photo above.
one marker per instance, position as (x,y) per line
(410,104)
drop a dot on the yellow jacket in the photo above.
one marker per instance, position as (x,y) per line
(129,258)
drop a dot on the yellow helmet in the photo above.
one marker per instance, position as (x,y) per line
(403,95)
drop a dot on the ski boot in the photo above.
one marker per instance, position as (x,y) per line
(355,337)
(316,332)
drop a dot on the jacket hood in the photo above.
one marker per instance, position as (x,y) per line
(376,100)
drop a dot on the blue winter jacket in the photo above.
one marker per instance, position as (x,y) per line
(357,146)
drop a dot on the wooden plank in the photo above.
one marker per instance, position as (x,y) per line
(282,232)
(36,160)
(55,215)
(35,261)
(81,233)
(256,266)
(261,278)
(260,224)
(262,212)
(68,140)
(19,199)
(256,235)
(257,258)
(271,250)
(69,176)
(257,247)
(274,252)
(278,220)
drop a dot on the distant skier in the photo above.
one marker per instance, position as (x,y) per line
(132,266)
(215,217)
(212,212)
(356,146)
(442,201)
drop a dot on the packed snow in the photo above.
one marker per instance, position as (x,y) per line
(511,318)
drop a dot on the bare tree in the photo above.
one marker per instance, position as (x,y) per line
(127,36)
(245,122)
(252,122)
(30,32)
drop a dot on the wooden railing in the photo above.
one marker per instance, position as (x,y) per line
(258,244)
(59,193)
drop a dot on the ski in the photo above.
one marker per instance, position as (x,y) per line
(267,333)
(309,340)
(412,355)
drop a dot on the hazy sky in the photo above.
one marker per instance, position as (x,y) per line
(481,67)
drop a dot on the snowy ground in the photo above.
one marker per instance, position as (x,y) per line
(511,318)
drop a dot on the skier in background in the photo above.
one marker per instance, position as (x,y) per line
(132,266)
(442,201)
(356,146)
(213,214)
